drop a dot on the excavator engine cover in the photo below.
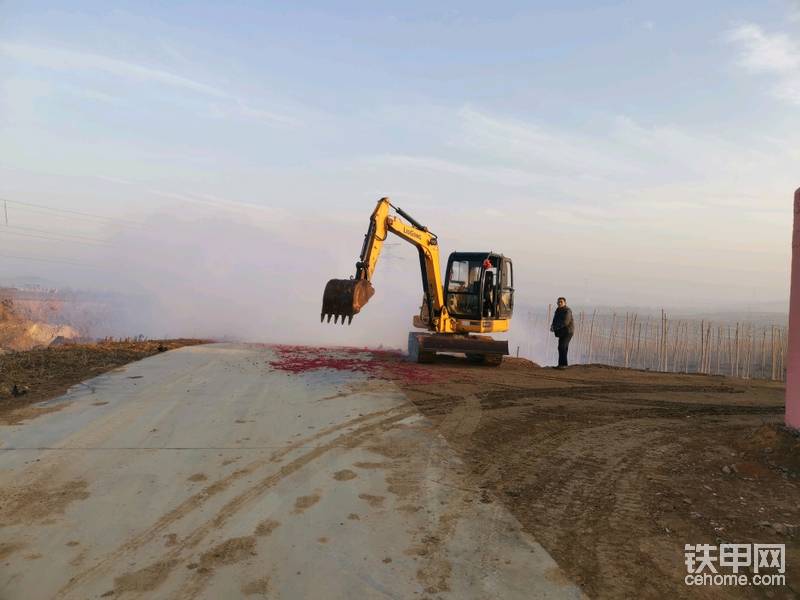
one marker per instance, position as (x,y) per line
(344,298)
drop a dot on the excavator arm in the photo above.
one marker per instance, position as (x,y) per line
(346,297)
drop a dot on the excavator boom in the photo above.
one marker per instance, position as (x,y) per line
(344,298)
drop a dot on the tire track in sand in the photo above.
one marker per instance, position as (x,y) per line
(232,507)
(199,499)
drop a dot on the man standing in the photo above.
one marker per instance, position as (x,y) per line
(564,328)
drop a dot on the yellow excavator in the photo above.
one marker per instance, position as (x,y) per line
(477,296)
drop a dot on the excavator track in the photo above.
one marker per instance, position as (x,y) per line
(422,347)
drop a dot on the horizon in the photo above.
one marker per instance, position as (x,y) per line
(213,161)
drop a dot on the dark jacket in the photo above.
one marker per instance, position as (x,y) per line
(563,323)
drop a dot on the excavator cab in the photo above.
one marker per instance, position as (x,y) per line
(479,286)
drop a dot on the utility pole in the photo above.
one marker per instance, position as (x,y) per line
(793,358)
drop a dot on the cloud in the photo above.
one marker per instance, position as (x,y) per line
(115,180)
(794,11)
(238,109)
(69,60)
(775,54)
(497,175)
(539,148)
(269,214)
(644,180)
(618,153)
(761,51)
(493,212)
(60,59)
(90,94)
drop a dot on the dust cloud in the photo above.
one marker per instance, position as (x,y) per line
(255,279)
(232,271)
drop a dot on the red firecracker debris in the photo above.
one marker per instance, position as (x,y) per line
(376,364)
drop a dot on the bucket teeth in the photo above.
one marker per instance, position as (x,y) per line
(336,317)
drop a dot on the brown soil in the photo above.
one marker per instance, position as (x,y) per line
(258,587)
(7,549)
(23,329)
(371,465)
(45,373)
(266,527)
(373,501)
(304,502)
(37,501)
(144,580)
(614,470)
(344,475)
(230,551)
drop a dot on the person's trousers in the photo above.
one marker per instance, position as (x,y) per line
(563,348)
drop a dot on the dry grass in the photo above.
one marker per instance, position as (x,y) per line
(45,373)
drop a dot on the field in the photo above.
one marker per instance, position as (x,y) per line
(614,470)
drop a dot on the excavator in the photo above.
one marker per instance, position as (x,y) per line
(476,297)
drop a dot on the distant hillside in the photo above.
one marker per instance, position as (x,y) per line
(22,328)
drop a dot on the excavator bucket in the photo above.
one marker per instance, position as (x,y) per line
(344,298)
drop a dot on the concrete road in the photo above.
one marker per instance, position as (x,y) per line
(206,473)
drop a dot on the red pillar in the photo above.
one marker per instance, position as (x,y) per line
(793,360)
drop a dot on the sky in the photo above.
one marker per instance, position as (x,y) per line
(220,160)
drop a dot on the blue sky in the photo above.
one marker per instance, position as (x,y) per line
(622,152)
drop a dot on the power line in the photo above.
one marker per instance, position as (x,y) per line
(59,234)
(48,260)
(67,211)
(52,239)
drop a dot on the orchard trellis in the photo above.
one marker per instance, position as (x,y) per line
(663,343)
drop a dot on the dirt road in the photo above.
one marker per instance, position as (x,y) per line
(227,471)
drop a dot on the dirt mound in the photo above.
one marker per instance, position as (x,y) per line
(19,333)
(775,446)
(44,334)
